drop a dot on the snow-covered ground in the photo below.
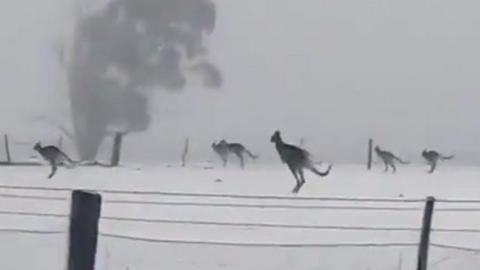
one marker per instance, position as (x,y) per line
(41,252)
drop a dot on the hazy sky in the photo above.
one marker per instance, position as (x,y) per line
(333,71)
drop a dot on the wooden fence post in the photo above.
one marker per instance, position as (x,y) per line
(422,261)
(370,154)
(117,148)
(185,152)
(7,148)
(84,216)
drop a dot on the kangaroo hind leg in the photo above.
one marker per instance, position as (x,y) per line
(242,160)
(53,165)
(394,169)
(294,172)
(433,166)
(302,180)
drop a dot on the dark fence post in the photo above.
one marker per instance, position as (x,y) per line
(185,153)
(84,216)
(425,236)
(7,148)
(370,154)
(117,148)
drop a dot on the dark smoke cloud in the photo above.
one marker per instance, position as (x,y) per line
(128,46)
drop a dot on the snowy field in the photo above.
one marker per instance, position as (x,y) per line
(40,252)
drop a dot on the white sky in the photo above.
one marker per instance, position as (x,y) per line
(334,71)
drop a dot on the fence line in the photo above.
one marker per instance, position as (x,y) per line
(458,201)
(260,225)
(35,188)
(286,226)
(246,224)
(53,198)
(457,209)
(32,197)
(28,231)
(458,230)
(32,214)
(460,248)
(257,244)
(218,195)
(262,206)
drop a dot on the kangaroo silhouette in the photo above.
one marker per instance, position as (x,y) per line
(224,149)
(432,158)
(388,159)
(297,159)
(54,156)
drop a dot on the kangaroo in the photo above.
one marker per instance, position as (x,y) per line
(223,149)
(388,159)
(433,157)
(54,156)
(296,159)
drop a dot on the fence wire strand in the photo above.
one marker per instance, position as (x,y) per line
(32,197)
(271,206)
(28,231)
(217,195)
(453,247)
(32,214)
(253,244)
(260,225)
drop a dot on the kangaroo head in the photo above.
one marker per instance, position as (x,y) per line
(276,137)
(37,146)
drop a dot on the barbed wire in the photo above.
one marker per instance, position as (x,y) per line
(459,248)
(262,206)
(253,244)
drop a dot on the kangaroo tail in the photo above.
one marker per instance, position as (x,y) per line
(71,162)
(252,156)
(401,161)
(447,157)
(319,173)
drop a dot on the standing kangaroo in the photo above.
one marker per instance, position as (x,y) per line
(433,157)
(296,159)
(388,158)
(54,156)
(223,149)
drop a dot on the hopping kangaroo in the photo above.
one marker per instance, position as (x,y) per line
(54,156)
(297,159)
(223,149)
(388,159)
(433,157)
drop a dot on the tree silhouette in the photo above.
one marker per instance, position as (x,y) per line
(125,48)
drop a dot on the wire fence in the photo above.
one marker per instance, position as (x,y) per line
(261,202)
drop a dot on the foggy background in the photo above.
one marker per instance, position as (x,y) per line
(334,72)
